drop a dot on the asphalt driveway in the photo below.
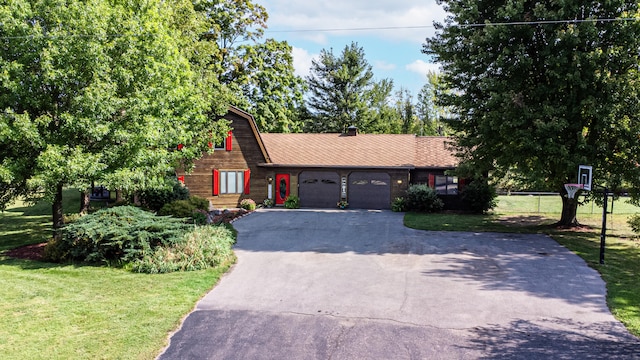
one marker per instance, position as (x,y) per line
(357,284)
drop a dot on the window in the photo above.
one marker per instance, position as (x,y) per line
(231,182)
(446,185)
(221,145)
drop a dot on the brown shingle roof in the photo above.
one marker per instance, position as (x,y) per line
(362,150)
(435,151)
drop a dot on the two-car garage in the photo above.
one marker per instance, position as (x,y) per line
(365,190)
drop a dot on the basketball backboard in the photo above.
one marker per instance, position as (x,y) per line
(585,175)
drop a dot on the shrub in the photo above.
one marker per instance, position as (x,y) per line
(200,217)
(115,235)
(422,198)
(201,248)
(292,202)
(479,196)
(398,204)
(155,199)
(248,204)
(185,208)
(267,203)
(634,222)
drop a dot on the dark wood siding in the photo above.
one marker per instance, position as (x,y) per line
(245,154)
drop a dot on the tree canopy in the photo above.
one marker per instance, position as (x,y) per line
(258,72)
(99,90)
(539,88)
(341,89)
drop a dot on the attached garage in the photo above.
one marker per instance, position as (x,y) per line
(319,189)
(369,190)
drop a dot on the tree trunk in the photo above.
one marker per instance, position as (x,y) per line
(118,196)
(85,199)
(56,210)
(569,212)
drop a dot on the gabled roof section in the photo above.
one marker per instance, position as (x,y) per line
(254,128)
(362,150)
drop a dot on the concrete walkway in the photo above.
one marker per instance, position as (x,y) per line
(357,284)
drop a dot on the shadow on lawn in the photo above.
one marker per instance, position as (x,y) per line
(554,339)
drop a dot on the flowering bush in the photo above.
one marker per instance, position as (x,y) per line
(248,204)
(342,204)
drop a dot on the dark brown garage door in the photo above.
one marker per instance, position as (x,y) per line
(319,189)
(369,190)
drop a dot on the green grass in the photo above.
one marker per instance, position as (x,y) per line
(53,311)
(621,270)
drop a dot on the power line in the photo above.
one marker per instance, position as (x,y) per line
(513,23)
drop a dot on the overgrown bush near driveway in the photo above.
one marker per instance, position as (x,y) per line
(136,239)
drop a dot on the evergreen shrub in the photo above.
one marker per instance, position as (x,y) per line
(422,198)
(115,236)
(398,204)
(185,208)
(479,196)
(155,199)
(292,202)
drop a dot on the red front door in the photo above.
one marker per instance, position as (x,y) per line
(282,188)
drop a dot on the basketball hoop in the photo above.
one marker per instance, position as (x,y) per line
(572,189)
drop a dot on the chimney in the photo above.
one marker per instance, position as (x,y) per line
(352,131)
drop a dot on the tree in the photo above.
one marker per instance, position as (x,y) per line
(406,112)
(270,89)
(98,91)
(259,74)
(338,90)
(539,88)
(430,114)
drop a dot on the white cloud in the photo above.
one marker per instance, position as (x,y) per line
(302,61)
(383,65)
(422,67)
(356,14)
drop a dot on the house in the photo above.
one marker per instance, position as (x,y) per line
(368,170)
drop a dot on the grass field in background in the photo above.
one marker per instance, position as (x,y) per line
(553,204)
(53,311)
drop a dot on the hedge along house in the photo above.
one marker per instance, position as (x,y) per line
(367,170)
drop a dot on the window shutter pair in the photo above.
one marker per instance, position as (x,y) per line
(216,182)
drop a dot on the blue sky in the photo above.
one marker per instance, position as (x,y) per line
(393,53)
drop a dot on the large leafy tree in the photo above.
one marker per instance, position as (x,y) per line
(98,90)
(541,87)
(259,73)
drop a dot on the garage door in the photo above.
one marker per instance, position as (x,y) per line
(369,190)
(319,189)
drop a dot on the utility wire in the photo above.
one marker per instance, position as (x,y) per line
(514,23)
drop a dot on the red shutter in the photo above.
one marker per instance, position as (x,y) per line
(432,181)
(229,144)
(461,183)
(247,181)
(216,182)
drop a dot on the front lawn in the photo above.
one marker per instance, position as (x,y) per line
(621,270)
(54,311)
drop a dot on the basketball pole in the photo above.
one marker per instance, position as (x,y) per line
(603,234)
